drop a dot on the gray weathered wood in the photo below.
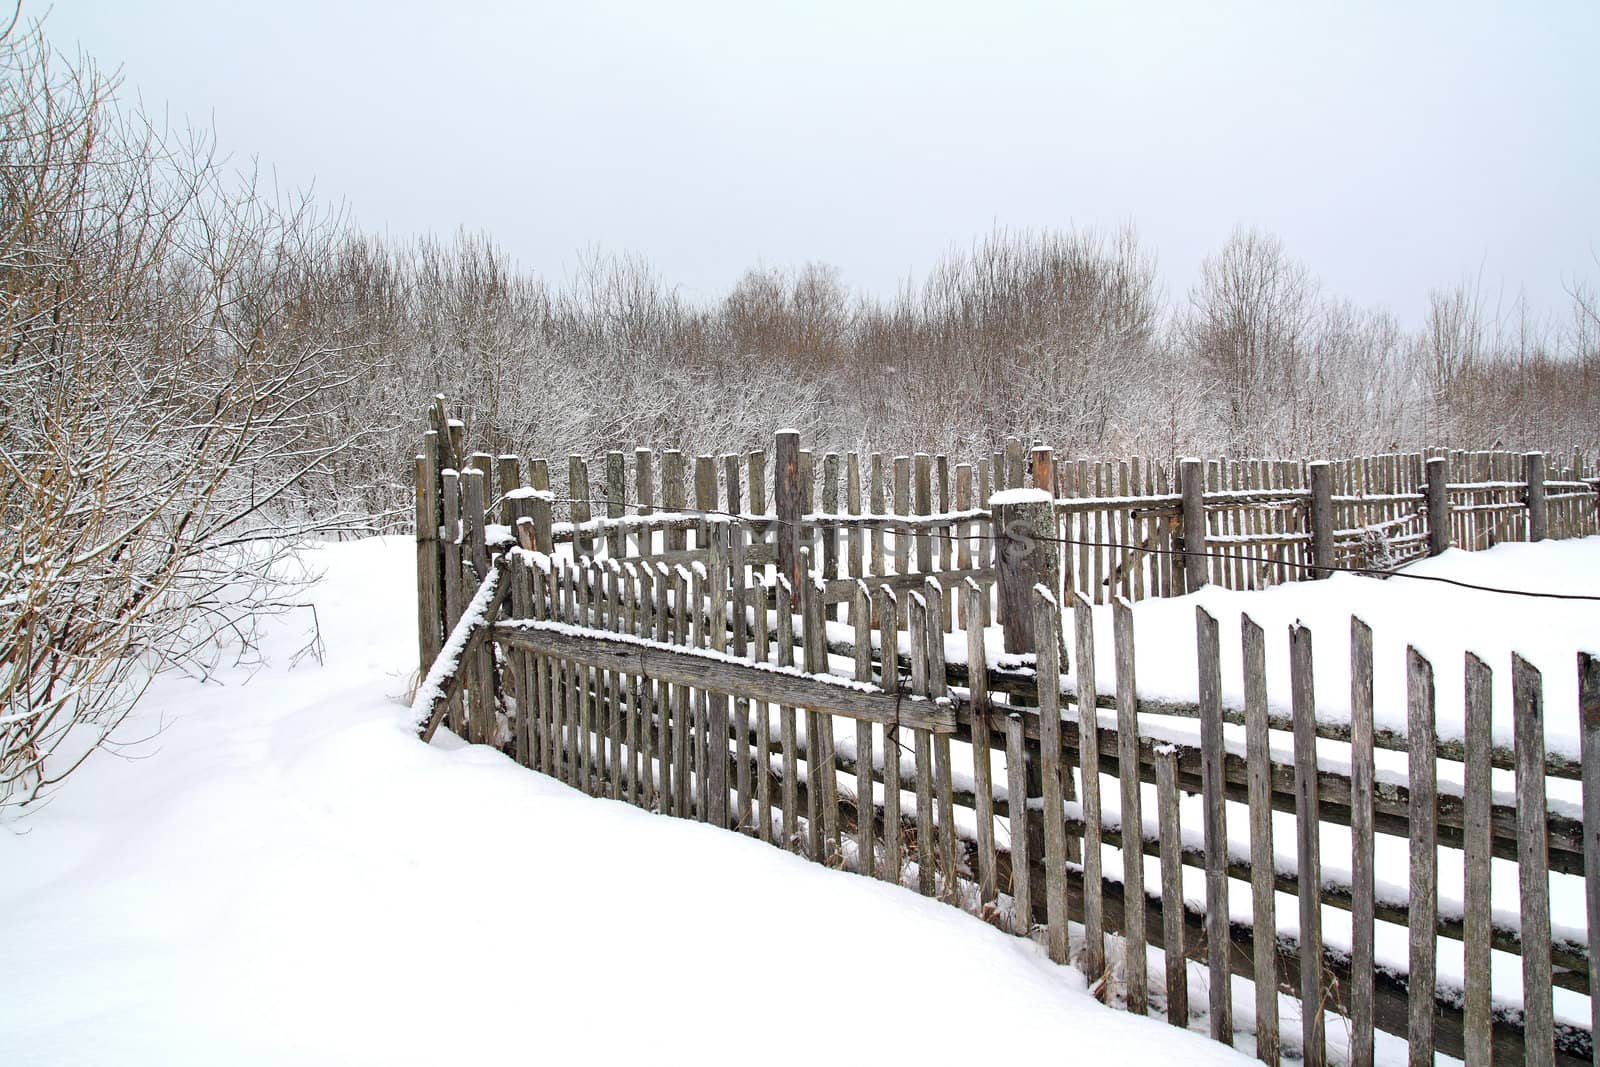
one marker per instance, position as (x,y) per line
(982,770)
(1308,824)
(1017,792)
(889,642)
(922,754)
(1263,884)
(1589,747)
(1477,900)
(508,476)
(762,711)
(1192,475)
(1094,954)
(1438,504)
(1132,809)
(788,497)
(1362,870)
(1538,508)
(644,491)
(866,809)
(455,597)
(1422,765)
(933,594)
(1047,622)
(1321,519)
(1533,865)
(788,736)
(616,499)
(1213,788)
(1177,975)
(430,591)
(1023,525)
(819,745)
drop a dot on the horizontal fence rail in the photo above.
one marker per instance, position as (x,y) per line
(775,663)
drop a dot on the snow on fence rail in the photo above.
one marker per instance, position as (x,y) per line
(695,661)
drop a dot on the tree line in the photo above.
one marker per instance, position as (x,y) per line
(198,368)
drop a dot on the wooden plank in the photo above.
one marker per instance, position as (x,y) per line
(1177,970)
(889,643)
(1132,810)
(866,809)
(1047,624)
(1213,790)
(672,624)
(1194,524)
(819,746)
(430,591)
(699,709)
(1258,756)
(787,495)
(788,737)
(762,712)
(1589,748)
(877,506)
(902,506)
(744,814)
(982,770)
(1308,824)
(921,748)
(942,786)
(1533,866)
(1362,869)
(923,505)
(1422,765)
(718,706)
(1094,954)
(1017,794)
(1478,725)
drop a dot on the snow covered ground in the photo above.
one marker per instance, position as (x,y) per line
(272,870)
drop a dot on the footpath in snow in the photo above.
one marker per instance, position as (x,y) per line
(273,870)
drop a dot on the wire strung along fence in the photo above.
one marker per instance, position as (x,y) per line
(895,689)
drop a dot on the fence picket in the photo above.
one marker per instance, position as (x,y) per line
(1533,862)
(1421,767)
(1362,871)
(1132,818)
(1478,1027)
(1213,794)
(1308,825)
(1177,972)
(1263,862)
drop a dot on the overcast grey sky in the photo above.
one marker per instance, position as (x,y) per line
(1394,147)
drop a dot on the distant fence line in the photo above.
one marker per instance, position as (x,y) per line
(675,654)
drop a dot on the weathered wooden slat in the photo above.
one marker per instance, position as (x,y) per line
(762,712)
(1262,860)
(1094,953)
(1046,627)
(820,751)
(1533,869)
(786,720)
(1017,790)
(1589,745)
(1213,798)
(1362,870)
(1477,899)
(861,616)
(1424,853)
(942,785)
(922,754)
(982,770)
(1132,816)
(1308,824)
(889,632)
(1177,971)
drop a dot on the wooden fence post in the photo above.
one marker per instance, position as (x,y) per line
(1538,511)
(1024,524)
(1438,503)
(430,612)
(1192,473)
(1321,519)
(786,497)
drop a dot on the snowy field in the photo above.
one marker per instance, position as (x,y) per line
(271,870)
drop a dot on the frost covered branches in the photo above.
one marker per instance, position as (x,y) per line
(160,406)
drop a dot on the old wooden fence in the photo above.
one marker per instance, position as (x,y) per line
(820,679)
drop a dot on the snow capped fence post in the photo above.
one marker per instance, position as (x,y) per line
(1024,530)
(1321,519)
(1192,474)
(786,498)
(1437,495)
(1538,511)
(616,499)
